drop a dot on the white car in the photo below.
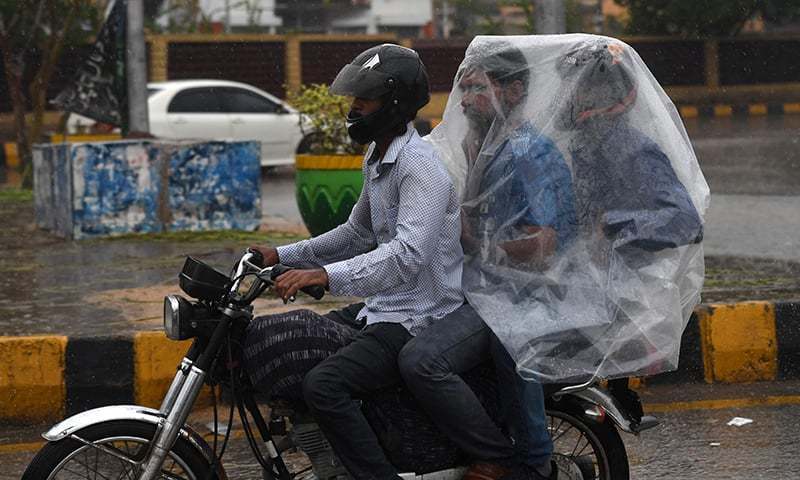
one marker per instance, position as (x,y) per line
(220,110)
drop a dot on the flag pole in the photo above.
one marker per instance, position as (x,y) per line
(136,60)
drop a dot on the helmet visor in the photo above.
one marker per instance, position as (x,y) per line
(360,81)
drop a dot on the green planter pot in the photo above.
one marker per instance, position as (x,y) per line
(327,187)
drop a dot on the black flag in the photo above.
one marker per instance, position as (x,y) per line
(99,90)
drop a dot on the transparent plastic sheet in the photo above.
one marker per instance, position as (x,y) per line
(583,204)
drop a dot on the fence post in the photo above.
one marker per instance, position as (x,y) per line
(293,64)
(712,63)
(159,58)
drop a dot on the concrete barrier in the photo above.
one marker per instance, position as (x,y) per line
(44,377)
(110,188)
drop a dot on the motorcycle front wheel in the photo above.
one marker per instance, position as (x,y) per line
(584,449)
(113,450)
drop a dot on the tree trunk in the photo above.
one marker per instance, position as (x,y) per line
(13,71)
(51,52)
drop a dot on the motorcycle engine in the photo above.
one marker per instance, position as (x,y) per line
(324,462)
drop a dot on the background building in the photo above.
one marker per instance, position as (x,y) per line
(406,18)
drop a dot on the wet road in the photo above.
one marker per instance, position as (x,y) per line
(700,445)
(686,446)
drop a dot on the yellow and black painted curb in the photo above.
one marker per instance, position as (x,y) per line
(739,343)
(44,378)
(730,110)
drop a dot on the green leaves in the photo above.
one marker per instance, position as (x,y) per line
(325,115)
(702,18)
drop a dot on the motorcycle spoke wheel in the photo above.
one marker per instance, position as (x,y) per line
(115,450)
(115,458)
(585,450)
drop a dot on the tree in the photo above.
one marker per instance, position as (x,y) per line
(702,18)
(33,35)
(482,17)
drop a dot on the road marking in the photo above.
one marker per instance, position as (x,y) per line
(21,447)
(34,446)
(791,108)
(758,109)
(723,110)
(689,111)
(719,404)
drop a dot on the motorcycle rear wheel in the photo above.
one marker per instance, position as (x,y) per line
(585,449)
(123,446)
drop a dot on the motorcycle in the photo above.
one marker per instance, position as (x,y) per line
(130,441)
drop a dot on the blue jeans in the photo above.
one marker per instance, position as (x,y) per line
(431,364)
(523,410)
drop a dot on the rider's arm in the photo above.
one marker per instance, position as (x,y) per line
(425,191)
(352,238)
(545,184)
(661,215)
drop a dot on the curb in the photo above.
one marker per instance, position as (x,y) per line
(44,378)
(729,110)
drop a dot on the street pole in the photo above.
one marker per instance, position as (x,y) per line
(136,69)
(550,16)
(227,16)
(446,19)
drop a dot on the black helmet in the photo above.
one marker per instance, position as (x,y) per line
(391,72)
(602,85)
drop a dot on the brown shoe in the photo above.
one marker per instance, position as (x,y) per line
(485,471)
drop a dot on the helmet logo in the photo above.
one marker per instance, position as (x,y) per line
(373,62)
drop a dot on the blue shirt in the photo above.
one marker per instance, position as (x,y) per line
(625,185)
(401,246)
(524,182)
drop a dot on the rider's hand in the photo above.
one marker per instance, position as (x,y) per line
(290,282)
(270,255)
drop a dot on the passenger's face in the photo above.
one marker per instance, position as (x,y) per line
(479,97)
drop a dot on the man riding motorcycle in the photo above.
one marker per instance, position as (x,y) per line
(517,210)
(399,248)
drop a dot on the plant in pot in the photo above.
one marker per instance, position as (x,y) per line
(328,169)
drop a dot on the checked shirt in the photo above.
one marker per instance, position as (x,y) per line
(400,248)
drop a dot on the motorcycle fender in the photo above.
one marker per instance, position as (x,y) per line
(137,413)
(612,407)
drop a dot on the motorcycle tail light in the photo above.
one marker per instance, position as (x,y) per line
(596,413)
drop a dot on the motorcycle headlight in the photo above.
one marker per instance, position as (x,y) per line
(177,317)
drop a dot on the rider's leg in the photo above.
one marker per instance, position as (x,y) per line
(367,364)
(523,412)
(347,316)
(430,365)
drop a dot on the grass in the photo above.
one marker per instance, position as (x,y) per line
(15,195)
(207,236)
(746,282)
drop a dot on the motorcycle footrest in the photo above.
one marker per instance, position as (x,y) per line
(646,423)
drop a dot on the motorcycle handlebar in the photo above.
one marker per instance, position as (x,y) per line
(252,260)
(315,291)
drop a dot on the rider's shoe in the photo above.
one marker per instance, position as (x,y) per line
(526,472)
(486,471)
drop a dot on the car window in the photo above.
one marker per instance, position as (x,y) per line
(152,91)
(237,100)
(196,100)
